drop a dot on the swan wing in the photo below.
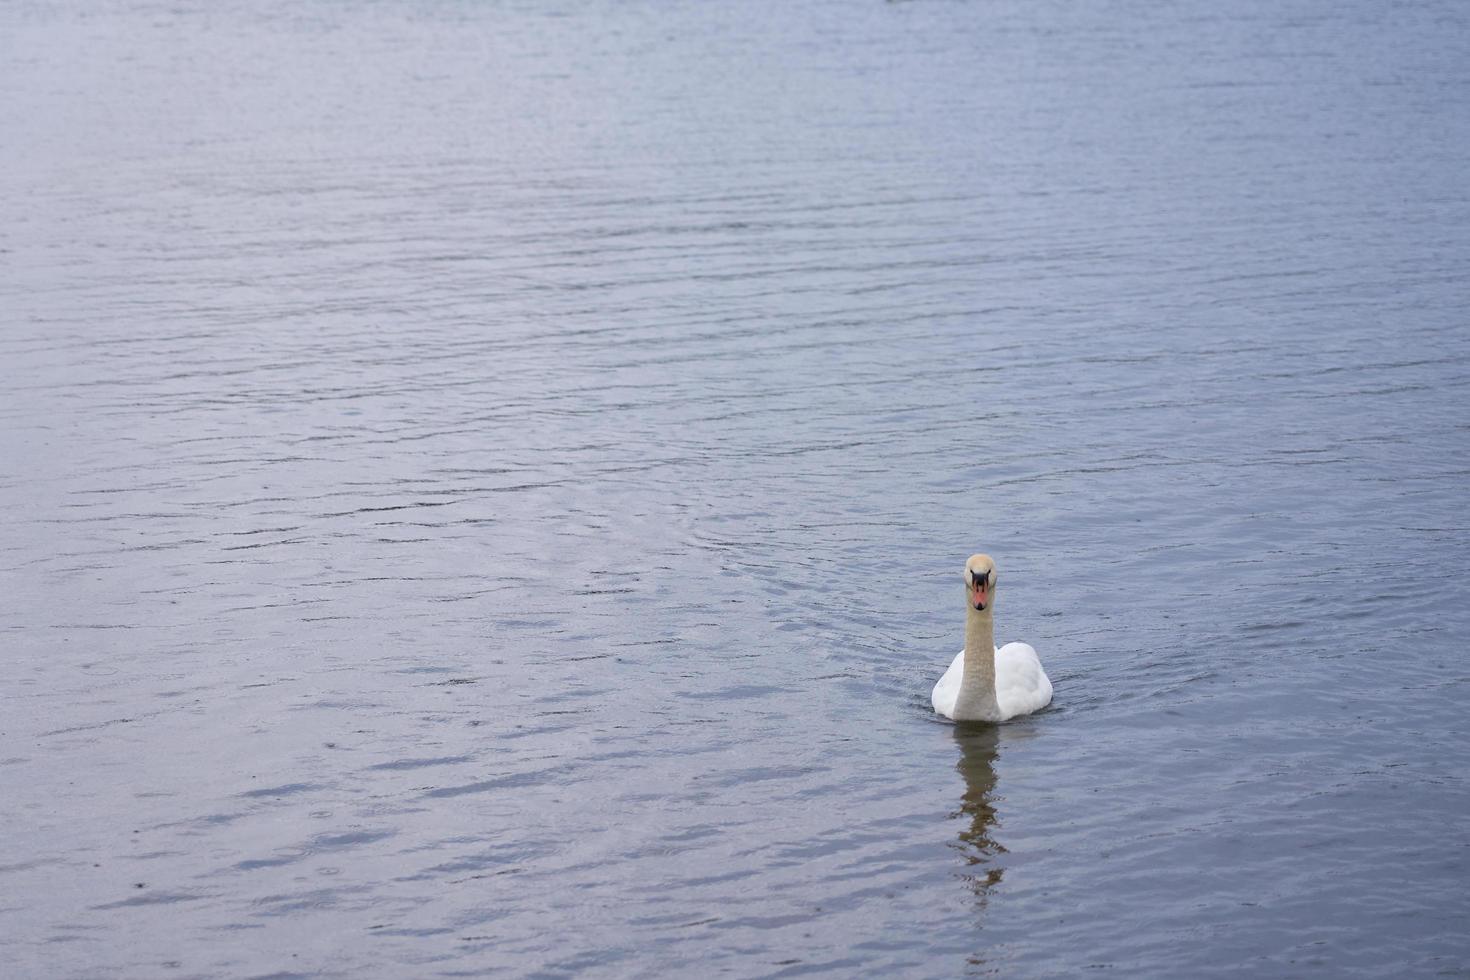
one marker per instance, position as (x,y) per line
(947,691)
(1021,686)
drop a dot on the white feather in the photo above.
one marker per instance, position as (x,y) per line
(1021,685)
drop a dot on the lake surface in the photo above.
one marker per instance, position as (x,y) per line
(486,487)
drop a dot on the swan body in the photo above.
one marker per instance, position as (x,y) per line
(1021,685)
(990,684)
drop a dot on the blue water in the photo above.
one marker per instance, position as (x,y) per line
(485,487)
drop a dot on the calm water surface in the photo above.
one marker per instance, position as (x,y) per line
(485,487)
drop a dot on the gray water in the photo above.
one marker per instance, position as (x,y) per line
(485,487)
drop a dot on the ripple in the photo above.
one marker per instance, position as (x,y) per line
(499,500)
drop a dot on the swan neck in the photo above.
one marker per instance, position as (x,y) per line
(977,685)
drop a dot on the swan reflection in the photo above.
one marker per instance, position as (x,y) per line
(978,746)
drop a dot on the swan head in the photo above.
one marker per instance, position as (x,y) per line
(980,582)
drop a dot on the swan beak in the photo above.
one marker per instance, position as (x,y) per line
(979,594)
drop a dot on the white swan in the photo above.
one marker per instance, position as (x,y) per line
(998,684)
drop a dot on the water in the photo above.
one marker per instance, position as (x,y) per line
(486,487)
